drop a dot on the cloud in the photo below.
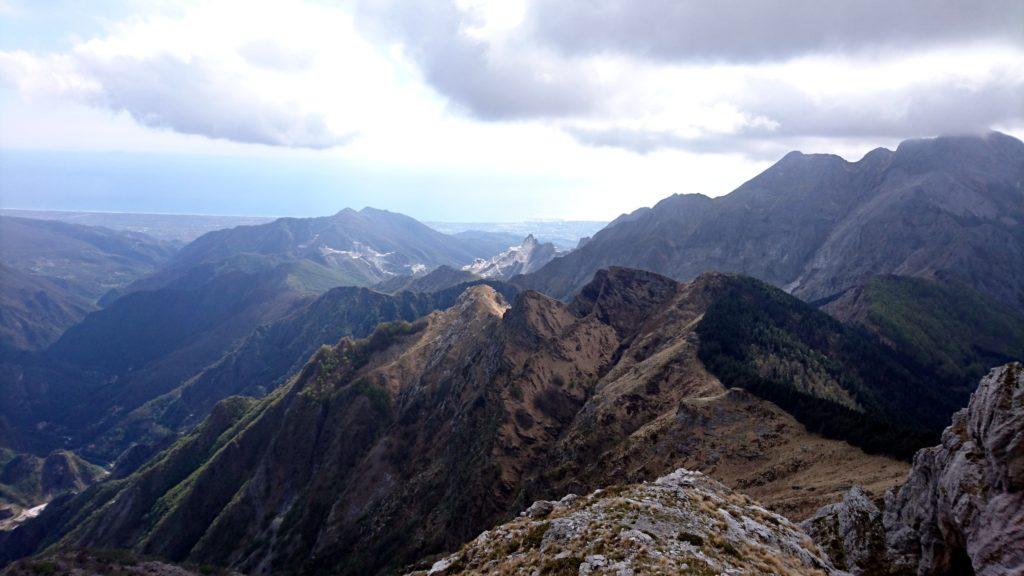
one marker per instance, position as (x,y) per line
(724,76)
(497,77)
(206,72)
(769,30)
(198,97)
(267,53)
(192,96)
(646,141)
(945,106)
(786,115)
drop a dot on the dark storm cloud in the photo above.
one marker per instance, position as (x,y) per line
(764,30)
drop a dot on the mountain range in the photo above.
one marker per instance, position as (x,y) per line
(54,273)
(945,208)
(153,335)
(408,442)
(362,394)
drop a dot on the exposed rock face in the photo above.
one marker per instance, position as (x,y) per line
(961,510)
(682,523)
(522,259)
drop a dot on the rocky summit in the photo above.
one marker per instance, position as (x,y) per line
(960,511)
(681,523)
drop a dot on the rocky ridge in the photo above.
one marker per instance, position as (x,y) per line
(944,208)
(527,257)
(410,442)
(681,523)
(960,511)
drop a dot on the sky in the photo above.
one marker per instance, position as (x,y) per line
(475,110)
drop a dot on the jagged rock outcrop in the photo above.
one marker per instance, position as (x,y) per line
(682,523)
(527,257)
(960,511)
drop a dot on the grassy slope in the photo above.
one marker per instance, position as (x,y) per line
(957,331)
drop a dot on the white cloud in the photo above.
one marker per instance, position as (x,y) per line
(217,71)
(703,76)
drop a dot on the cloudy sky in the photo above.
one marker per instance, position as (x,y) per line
(478,110)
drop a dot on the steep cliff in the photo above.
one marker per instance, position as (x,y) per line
(960,511)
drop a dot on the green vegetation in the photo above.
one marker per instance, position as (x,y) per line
(759,338)
(333,366)
(379,399)
(956,330)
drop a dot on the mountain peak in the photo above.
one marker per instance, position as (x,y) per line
(621,296)
(673,531)
(528,256)
(482,297)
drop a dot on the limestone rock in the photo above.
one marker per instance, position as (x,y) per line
(682,523)
(960,511)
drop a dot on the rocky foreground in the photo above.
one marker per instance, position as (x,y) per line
(961,510)
(682,523)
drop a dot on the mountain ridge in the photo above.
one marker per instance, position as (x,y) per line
(456,421)
(797,224)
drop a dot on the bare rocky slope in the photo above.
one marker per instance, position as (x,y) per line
(410,442)
(960,511)
(947,208)
(526,257)
(681,523)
